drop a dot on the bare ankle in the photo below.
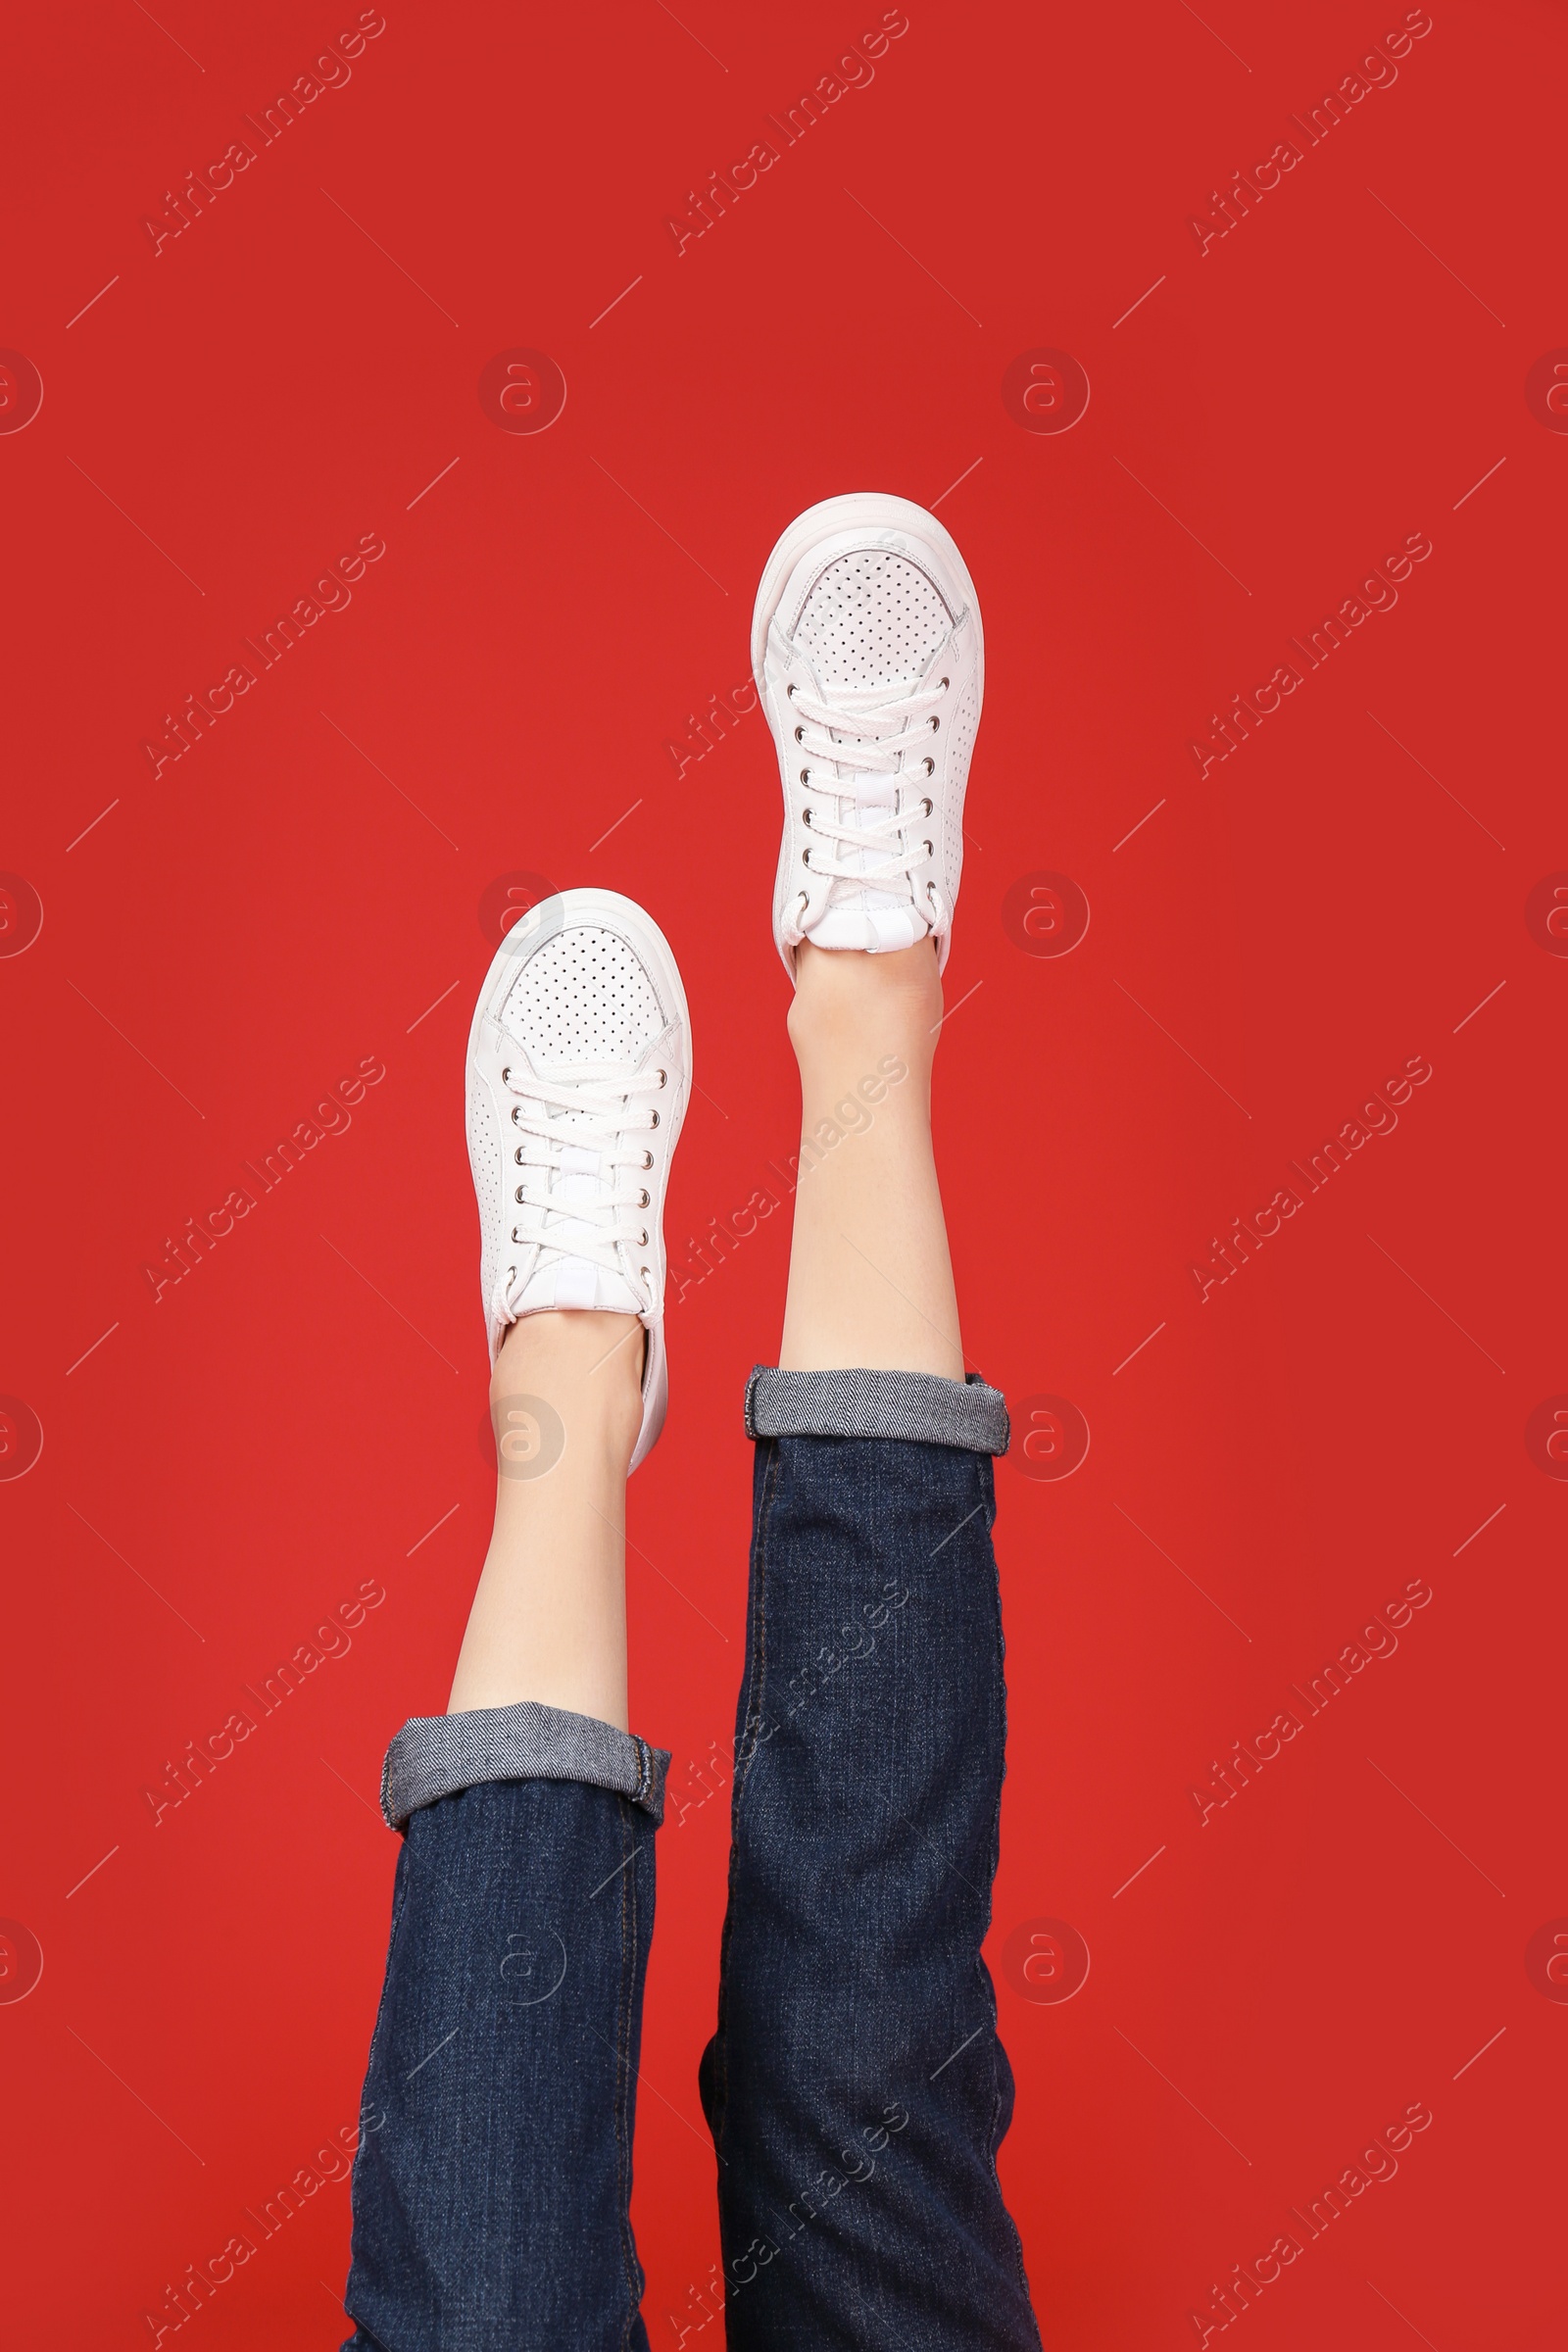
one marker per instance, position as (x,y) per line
(887,1002)
(585,1366)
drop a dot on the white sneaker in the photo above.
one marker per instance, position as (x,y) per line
(579,1071)
(868,655)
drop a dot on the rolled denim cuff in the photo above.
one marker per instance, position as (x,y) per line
(437,1755)
(916,1406)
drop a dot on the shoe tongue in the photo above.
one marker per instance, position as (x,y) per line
(578,1179)
(878,925)
(863,800)
(563,1280)
(865,914)
(576,1281)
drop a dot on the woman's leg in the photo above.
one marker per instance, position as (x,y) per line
(549,1619)
(493,2178)
(492,2182)
(870,1279)
(855,2086)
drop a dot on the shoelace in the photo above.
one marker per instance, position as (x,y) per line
(868,742)
(607,1107)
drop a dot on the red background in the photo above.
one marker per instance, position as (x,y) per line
(1285,1978)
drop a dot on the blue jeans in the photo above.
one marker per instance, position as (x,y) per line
(855,2087)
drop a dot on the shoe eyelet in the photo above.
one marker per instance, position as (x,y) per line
(642,1238)
(806,775)
(945,683)
(930,766)
(647,1159)
(506,1075)
(664,1078)
(926,808)
(788,694)
(517,1156)
(800,734)
(806,856)
(643,1197)
(805,816)
(929,850)
(936,723)
(517,1114)
(518,1196)
(653,1119)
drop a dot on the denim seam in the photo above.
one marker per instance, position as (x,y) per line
(764,1519)
(623,2024)
(758,1668)
(400,1889)
(987,1483)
